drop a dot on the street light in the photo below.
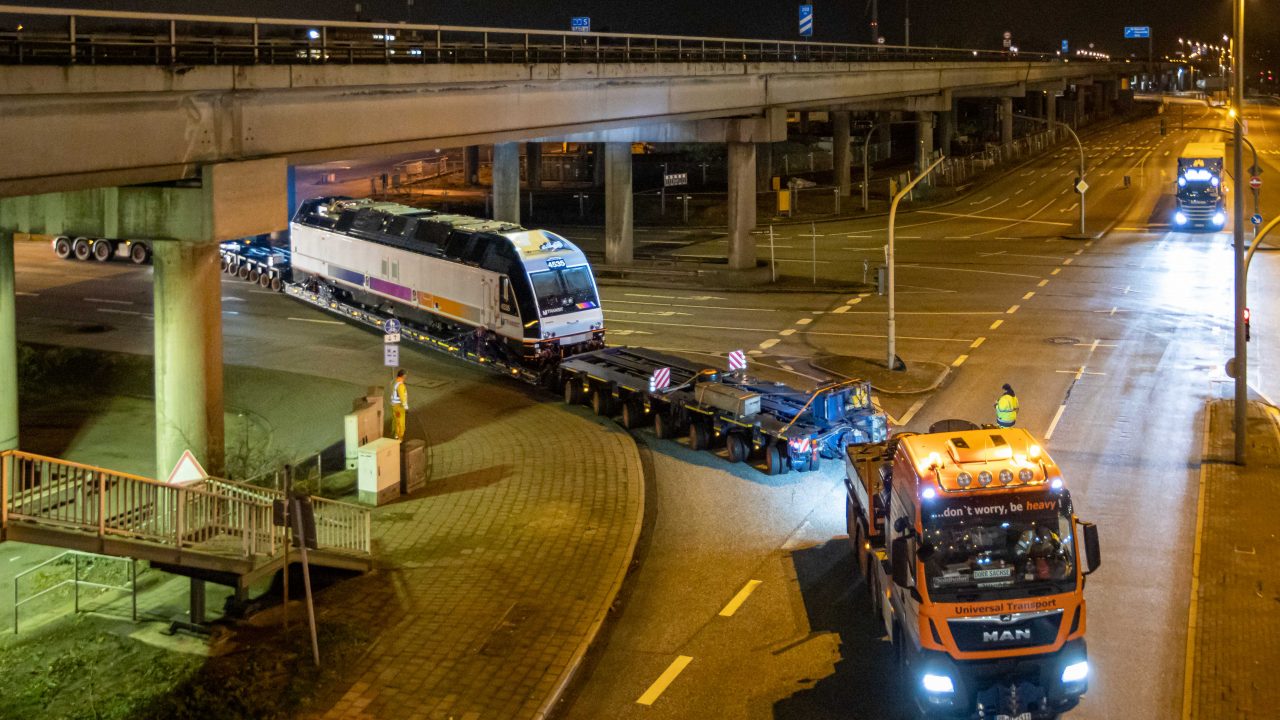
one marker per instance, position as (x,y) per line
(893,216)
(1082,235)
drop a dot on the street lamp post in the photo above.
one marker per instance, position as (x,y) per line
(893,216)
(1083,235)
(1241,349)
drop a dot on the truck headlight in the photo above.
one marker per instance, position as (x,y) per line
(1075,672)
(1219,218)
(942,683)
(1180,218)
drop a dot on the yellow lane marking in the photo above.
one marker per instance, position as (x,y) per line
(1012,310)
(1043,282)
(666,678)
(806,321)
(996,324)
(1056,271)
(841,310)
(1067,261)
(959,361)
(769,343)
(740,598)
(788,331)
(1029,295)
(974,345)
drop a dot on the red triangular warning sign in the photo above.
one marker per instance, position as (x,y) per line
(187,470)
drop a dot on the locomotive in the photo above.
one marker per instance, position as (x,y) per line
(530,293)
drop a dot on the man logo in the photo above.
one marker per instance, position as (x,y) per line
(1006,635)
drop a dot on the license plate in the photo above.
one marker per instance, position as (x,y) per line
(1023,716)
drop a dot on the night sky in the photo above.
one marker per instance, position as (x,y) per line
(1037,25)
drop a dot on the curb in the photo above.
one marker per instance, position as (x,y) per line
(575,663)
(1193,608)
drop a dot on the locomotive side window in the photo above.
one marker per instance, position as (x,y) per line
(345,221)
(431,235)
(507,298)
(477,250)
(457,244)
(395,226)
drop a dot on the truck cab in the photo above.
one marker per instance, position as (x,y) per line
(976,562)
(1199,189)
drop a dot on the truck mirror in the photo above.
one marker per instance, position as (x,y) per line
(1092,553)
(900,525)
(901,563)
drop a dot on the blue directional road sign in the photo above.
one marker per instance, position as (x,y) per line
(1132,32)
(580,24)
(806,20)
(1257,218)
(1065,45)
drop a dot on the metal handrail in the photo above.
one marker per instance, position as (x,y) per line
(76,582)
(317,45)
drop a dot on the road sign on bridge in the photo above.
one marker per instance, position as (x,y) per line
(806,20)
(1134,32)
(580,24)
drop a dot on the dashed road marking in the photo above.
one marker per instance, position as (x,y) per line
(118,312)
(974,345)
(313,320)
(1056,271)
(740,598)
(1043,282)
(668,676)
(787,332)
(1012,310)
(769,343)
(996,324)
(841,310)
(1029,295)
(805,321)
(19,293)
(854,301)
(1067,261)
(109,302)
(959,361)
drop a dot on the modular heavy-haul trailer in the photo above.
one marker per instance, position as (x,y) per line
(971,551)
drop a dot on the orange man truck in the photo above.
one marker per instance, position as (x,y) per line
(972,553)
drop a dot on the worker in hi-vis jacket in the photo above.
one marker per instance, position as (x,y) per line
(399,405)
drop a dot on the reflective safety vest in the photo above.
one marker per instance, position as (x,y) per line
(1006,409)
(399,396)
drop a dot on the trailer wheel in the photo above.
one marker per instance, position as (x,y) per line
(572,391)
(62,248)
(699,436)
(738,450)
(242,272)
(276,283)
(664,426)
(601,402)
(255,275)
(139,254)
(633,415)
(81,249)
(102,250)
(264,280)
(774,463)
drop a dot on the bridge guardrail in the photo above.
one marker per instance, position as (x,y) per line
(70,36)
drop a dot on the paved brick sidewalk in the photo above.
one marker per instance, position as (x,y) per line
(493,579)
(1235,645)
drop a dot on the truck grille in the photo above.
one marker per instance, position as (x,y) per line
(997,632)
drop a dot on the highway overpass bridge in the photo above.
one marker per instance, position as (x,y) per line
(181,129)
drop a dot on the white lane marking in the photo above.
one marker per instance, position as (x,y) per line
(979,202)
(951,269)
(119,312)
(661,313)
(1074,205)
(695,307)
(322,322)
(232,298)
(1026,203)
(740,598)
(781,260)
(1019,191)
(109,302)
(788,331)
(806,321)
(959,361)
(1043,282)
(854,301)
(974,345)
(1079,373)
(668,676)
(911,412)
(1013,309)
(769,343)
(230,312)
(754,352)
(841,310)
(1029,295)
(929,312)
(1054,425)
(957,237)
(996,219)
(19,293)
(996,324)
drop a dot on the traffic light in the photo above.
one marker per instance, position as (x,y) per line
(1246,324)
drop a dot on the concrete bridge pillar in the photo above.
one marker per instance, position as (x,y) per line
(947,129)
(188,353)
(764,167)
(1080,106)
(1006,120)
(840,160)
(8,347)
(601,161)
(1051,108)
(533,165)
(506,182)
(924,139)
(619,244)
(804,122)
(471,164)
(742,205)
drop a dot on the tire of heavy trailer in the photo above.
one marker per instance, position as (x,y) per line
(103,250)
(664,425)
(572,391)
(633,415)
(737,446)
(264,281)
(62,247)
(81,248)
(774,462)
(139,253)
(699,436)
(277,283)
(601,402)
(243,272)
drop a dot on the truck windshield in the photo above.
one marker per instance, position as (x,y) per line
(565,290)
(998,549)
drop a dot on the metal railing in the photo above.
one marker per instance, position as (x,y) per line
(66,36)
(76,581)
(200,516)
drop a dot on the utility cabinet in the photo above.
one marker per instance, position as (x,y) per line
(378,480)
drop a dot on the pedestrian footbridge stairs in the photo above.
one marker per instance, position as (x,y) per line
(214,530)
